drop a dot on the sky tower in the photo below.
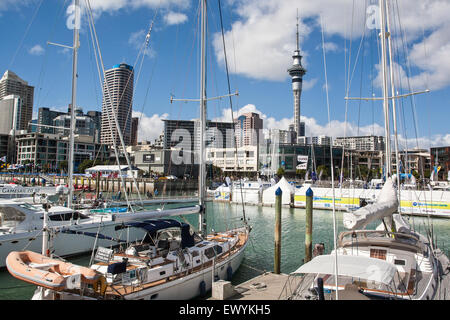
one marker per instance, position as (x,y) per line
(296,72)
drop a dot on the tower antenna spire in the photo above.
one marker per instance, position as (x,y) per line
(298,47)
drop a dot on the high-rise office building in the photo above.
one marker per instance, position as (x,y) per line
(247,128)
(10,109)
(11,84)
(45,118)
(134,131)
(96,116)
(117,98)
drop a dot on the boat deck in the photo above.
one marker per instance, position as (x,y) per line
(119,290)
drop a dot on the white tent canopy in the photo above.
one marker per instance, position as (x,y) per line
(351,266)
(287,189)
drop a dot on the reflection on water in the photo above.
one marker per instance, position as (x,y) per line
(260,251)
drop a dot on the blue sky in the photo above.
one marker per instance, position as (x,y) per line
(260,38)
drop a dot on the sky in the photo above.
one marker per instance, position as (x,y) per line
(260,37)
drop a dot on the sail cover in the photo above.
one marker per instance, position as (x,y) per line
(386,204)
(366,268)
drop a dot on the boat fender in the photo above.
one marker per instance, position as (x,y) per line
(229,273)
(202,288)
(99,285)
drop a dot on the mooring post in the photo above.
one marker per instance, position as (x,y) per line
(309,225)
(278,195)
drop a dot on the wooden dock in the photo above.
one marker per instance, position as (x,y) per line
(267,286)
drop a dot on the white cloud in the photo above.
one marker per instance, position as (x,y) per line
(264,30)
(172,18)
(115,5)
(336,128)
(150,127)
(37,50)
(137,40)
(329,47)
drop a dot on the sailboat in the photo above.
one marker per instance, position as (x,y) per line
(70,229)
(392,261)
(171,261)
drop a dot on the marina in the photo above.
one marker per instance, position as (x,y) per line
(227,207)
(258,256)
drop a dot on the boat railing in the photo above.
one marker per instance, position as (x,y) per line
(366,235)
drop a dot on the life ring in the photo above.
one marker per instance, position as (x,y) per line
(99,285)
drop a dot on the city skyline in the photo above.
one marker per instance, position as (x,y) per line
(262,81)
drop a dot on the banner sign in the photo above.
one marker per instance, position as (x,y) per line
(302,162)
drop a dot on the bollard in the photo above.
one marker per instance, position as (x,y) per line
(309,225)
(278,194)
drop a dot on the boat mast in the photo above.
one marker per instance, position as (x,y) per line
(202,151)
(383,36)
(76,45)
(394,109)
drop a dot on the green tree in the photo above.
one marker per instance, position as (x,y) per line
(85,165)
(63,165)
(363,172)
(300,173)
(280,172)
(325,171)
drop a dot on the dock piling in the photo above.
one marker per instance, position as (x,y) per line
(308,225)
(277,257)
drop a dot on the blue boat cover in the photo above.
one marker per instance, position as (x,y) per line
(152,226)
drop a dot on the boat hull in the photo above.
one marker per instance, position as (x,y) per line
(183,288)
(64,244)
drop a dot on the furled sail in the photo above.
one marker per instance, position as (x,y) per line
(386,204)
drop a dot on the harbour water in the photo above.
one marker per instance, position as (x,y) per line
(259,253)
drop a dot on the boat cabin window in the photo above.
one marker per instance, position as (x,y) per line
(10,217)
(66,216)
(169,234)
(378,254)
(211,252)
(29,207)
(399,262)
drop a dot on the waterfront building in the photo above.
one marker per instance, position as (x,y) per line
(245,160)
(49,150)
(45,118)
(159,161)
(11,84)
(84,125)
(415,159)
(319,140)
(134,131)
(96,116)
(185,134)
(5,148)
(286,157)
(361,143)
(440,157)
(117,98)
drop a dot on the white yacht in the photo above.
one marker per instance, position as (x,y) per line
(21,227)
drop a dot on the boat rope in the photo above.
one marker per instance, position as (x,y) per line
(231,107)
(253,268)
(98,50)
(331,160)
(25,34)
